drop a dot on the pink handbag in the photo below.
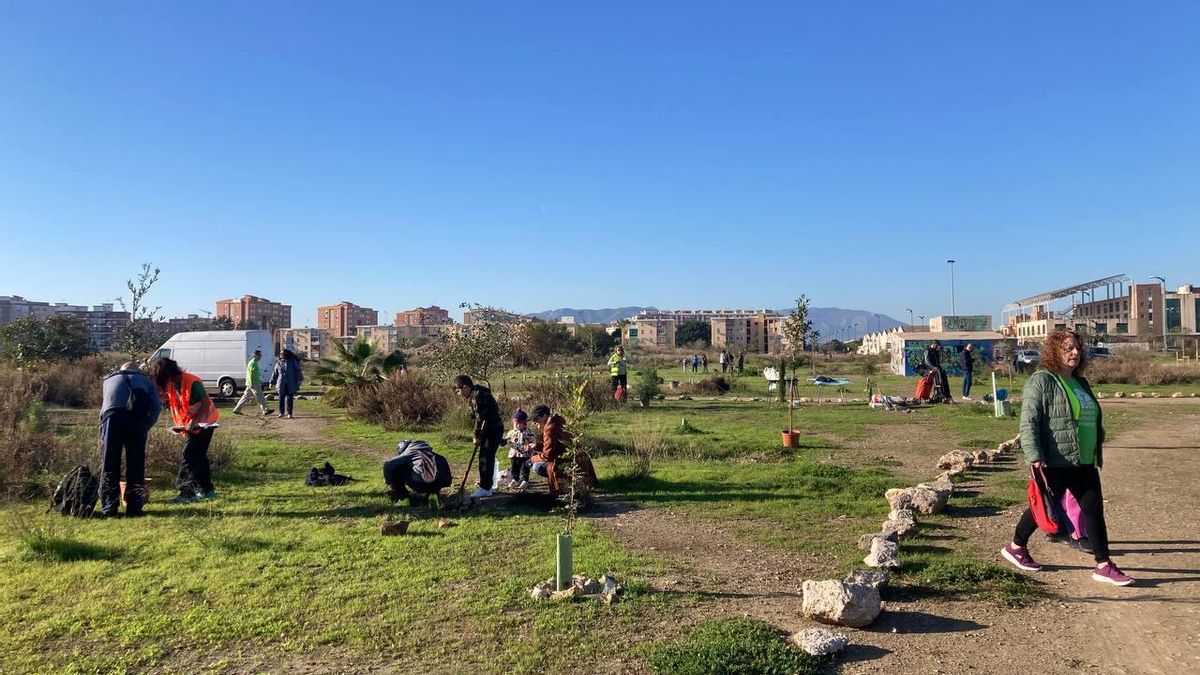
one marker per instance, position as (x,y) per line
(1074,514)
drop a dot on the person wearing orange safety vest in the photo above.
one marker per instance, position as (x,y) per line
(193,415)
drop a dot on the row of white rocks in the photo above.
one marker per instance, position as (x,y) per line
(1153,394)
(855,600)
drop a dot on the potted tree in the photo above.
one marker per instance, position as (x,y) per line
(797,330)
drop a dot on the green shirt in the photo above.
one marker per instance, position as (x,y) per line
(1086,413)
(253,375)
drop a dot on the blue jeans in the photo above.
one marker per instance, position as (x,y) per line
(540,469)
(967,383)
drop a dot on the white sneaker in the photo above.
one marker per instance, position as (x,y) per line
(522,485)
(480,493)
(967,398)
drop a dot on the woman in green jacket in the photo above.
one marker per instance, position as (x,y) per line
(1062,433)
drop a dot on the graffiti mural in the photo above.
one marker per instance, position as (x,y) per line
(910,360)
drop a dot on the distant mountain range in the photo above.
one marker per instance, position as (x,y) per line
(830,321)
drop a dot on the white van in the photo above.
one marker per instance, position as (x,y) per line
(219,357)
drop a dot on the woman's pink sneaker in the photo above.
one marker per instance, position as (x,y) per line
(1020,557)
(1111,574)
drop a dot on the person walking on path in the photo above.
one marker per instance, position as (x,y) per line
(287,377)
(130,408)
(487,429)
(194,415)
(618,369)
(254,388)
(1062,435)
(966,359)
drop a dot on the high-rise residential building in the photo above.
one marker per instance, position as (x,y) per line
(103,323)
(256,311)
(423,316)
(305,343)
(342,319)
(649,333)
(755,332)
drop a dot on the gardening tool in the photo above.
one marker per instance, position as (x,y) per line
(463,485)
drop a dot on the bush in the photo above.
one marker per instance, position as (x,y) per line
(558,392)
(727,646)
(714,386)
(1139,368)
(33,457)
(402,402)
(76,384)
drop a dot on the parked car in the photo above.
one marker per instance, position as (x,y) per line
(1099,353)
(1028,357)
(218,357)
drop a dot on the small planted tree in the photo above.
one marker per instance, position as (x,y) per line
(797,331)
(647,387)
(139,336)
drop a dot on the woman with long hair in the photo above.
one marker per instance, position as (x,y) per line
(193,415)
(1062,435)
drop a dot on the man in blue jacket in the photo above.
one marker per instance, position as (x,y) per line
(131,406)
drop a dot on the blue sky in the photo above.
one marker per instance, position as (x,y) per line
(535,155)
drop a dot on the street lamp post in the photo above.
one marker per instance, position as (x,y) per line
(910,316)
(1164,310)
(951,261)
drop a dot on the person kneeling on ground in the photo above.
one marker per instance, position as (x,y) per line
(418,468)
(548,460)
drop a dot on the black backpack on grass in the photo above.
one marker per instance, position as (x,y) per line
(76,493)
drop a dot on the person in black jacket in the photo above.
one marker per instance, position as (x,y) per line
(488,429)
(966,359)
(130,409)
(933,359)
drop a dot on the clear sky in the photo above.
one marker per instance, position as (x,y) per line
(536,155)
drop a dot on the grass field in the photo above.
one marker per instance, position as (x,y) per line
(274,573)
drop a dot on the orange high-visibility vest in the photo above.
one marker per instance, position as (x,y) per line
(181,402)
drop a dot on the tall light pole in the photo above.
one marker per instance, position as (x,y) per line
(910,316)
(878,324)
(1164,310)
(951,261)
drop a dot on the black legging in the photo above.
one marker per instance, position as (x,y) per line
(195,473)
(1084,483)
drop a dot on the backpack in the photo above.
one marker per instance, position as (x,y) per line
(76,493)
(139,400)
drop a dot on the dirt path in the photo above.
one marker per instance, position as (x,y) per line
(1152,485)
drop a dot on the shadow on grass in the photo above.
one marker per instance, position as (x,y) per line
(51,548)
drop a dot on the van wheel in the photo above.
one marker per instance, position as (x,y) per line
(227,387)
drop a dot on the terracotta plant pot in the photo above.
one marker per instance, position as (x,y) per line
(790,437)
(145,497)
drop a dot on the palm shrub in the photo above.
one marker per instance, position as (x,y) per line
(358,365)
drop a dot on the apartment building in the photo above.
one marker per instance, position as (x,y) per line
(305,343)
(761,332)
(251,309)
(423,316)
(343,318)
(651,333)
(103,321)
